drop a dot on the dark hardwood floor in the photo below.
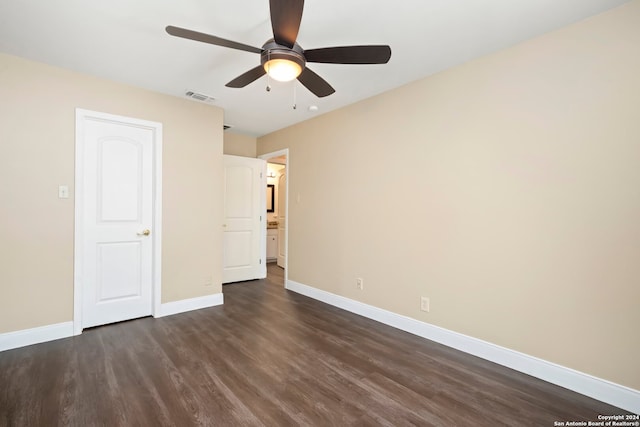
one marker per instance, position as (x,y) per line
(269,357)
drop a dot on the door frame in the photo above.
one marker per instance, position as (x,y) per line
(287,165)
(78,251)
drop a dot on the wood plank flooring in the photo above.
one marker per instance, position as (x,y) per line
(269,357)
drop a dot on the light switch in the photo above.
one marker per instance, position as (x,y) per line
(63,192)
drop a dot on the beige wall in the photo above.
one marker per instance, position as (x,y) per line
(37,139)
(239,145)
(507,190)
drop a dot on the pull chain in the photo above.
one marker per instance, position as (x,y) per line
(268,77)
(295,106)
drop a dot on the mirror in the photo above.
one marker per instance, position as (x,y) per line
(270,197)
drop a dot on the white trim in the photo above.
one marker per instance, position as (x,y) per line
(25,337)
(287,162)
(81,115)
(597,388)
(157,220)
(78,247)
(176,307)
(263,222)
(32,336)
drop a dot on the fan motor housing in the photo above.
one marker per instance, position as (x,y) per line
(272,50)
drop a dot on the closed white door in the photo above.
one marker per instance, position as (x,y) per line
(244,252)
(282,219)
(117,220)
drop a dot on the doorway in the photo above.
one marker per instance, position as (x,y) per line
(278,173)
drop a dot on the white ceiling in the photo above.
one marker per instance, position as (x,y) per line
(125,41)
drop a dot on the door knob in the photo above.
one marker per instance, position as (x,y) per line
(144,233)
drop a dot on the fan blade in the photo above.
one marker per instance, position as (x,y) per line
(315,83)
(207,38)
(285,20)
(248,77)
(350,55)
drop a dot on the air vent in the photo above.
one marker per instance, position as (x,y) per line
(200,96)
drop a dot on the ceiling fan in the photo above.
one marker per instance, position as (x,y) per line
(283,59)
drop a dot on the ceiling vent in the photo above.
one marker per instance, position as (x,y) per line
(200,97)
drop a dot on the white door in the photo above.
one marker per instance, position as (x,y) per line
(282,219)
(117,229)
(244,253)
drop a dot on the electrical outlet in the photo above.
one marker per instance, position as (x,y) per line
(360,283)
(424,304)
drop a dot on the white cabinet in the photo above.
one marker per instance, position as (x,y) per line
(272,244)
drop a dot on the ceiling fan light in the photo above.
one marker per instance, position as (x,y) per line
(282,70)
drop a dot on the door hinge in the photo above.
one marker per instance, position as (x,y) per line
(260,174)
(260,261)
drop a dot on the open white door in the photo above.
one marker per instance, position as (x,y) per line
(244,253)
(115,223)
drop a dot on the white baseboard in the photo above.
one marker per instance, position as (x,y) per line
(597,388)
(42,334)
(175,307)
(32,336)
